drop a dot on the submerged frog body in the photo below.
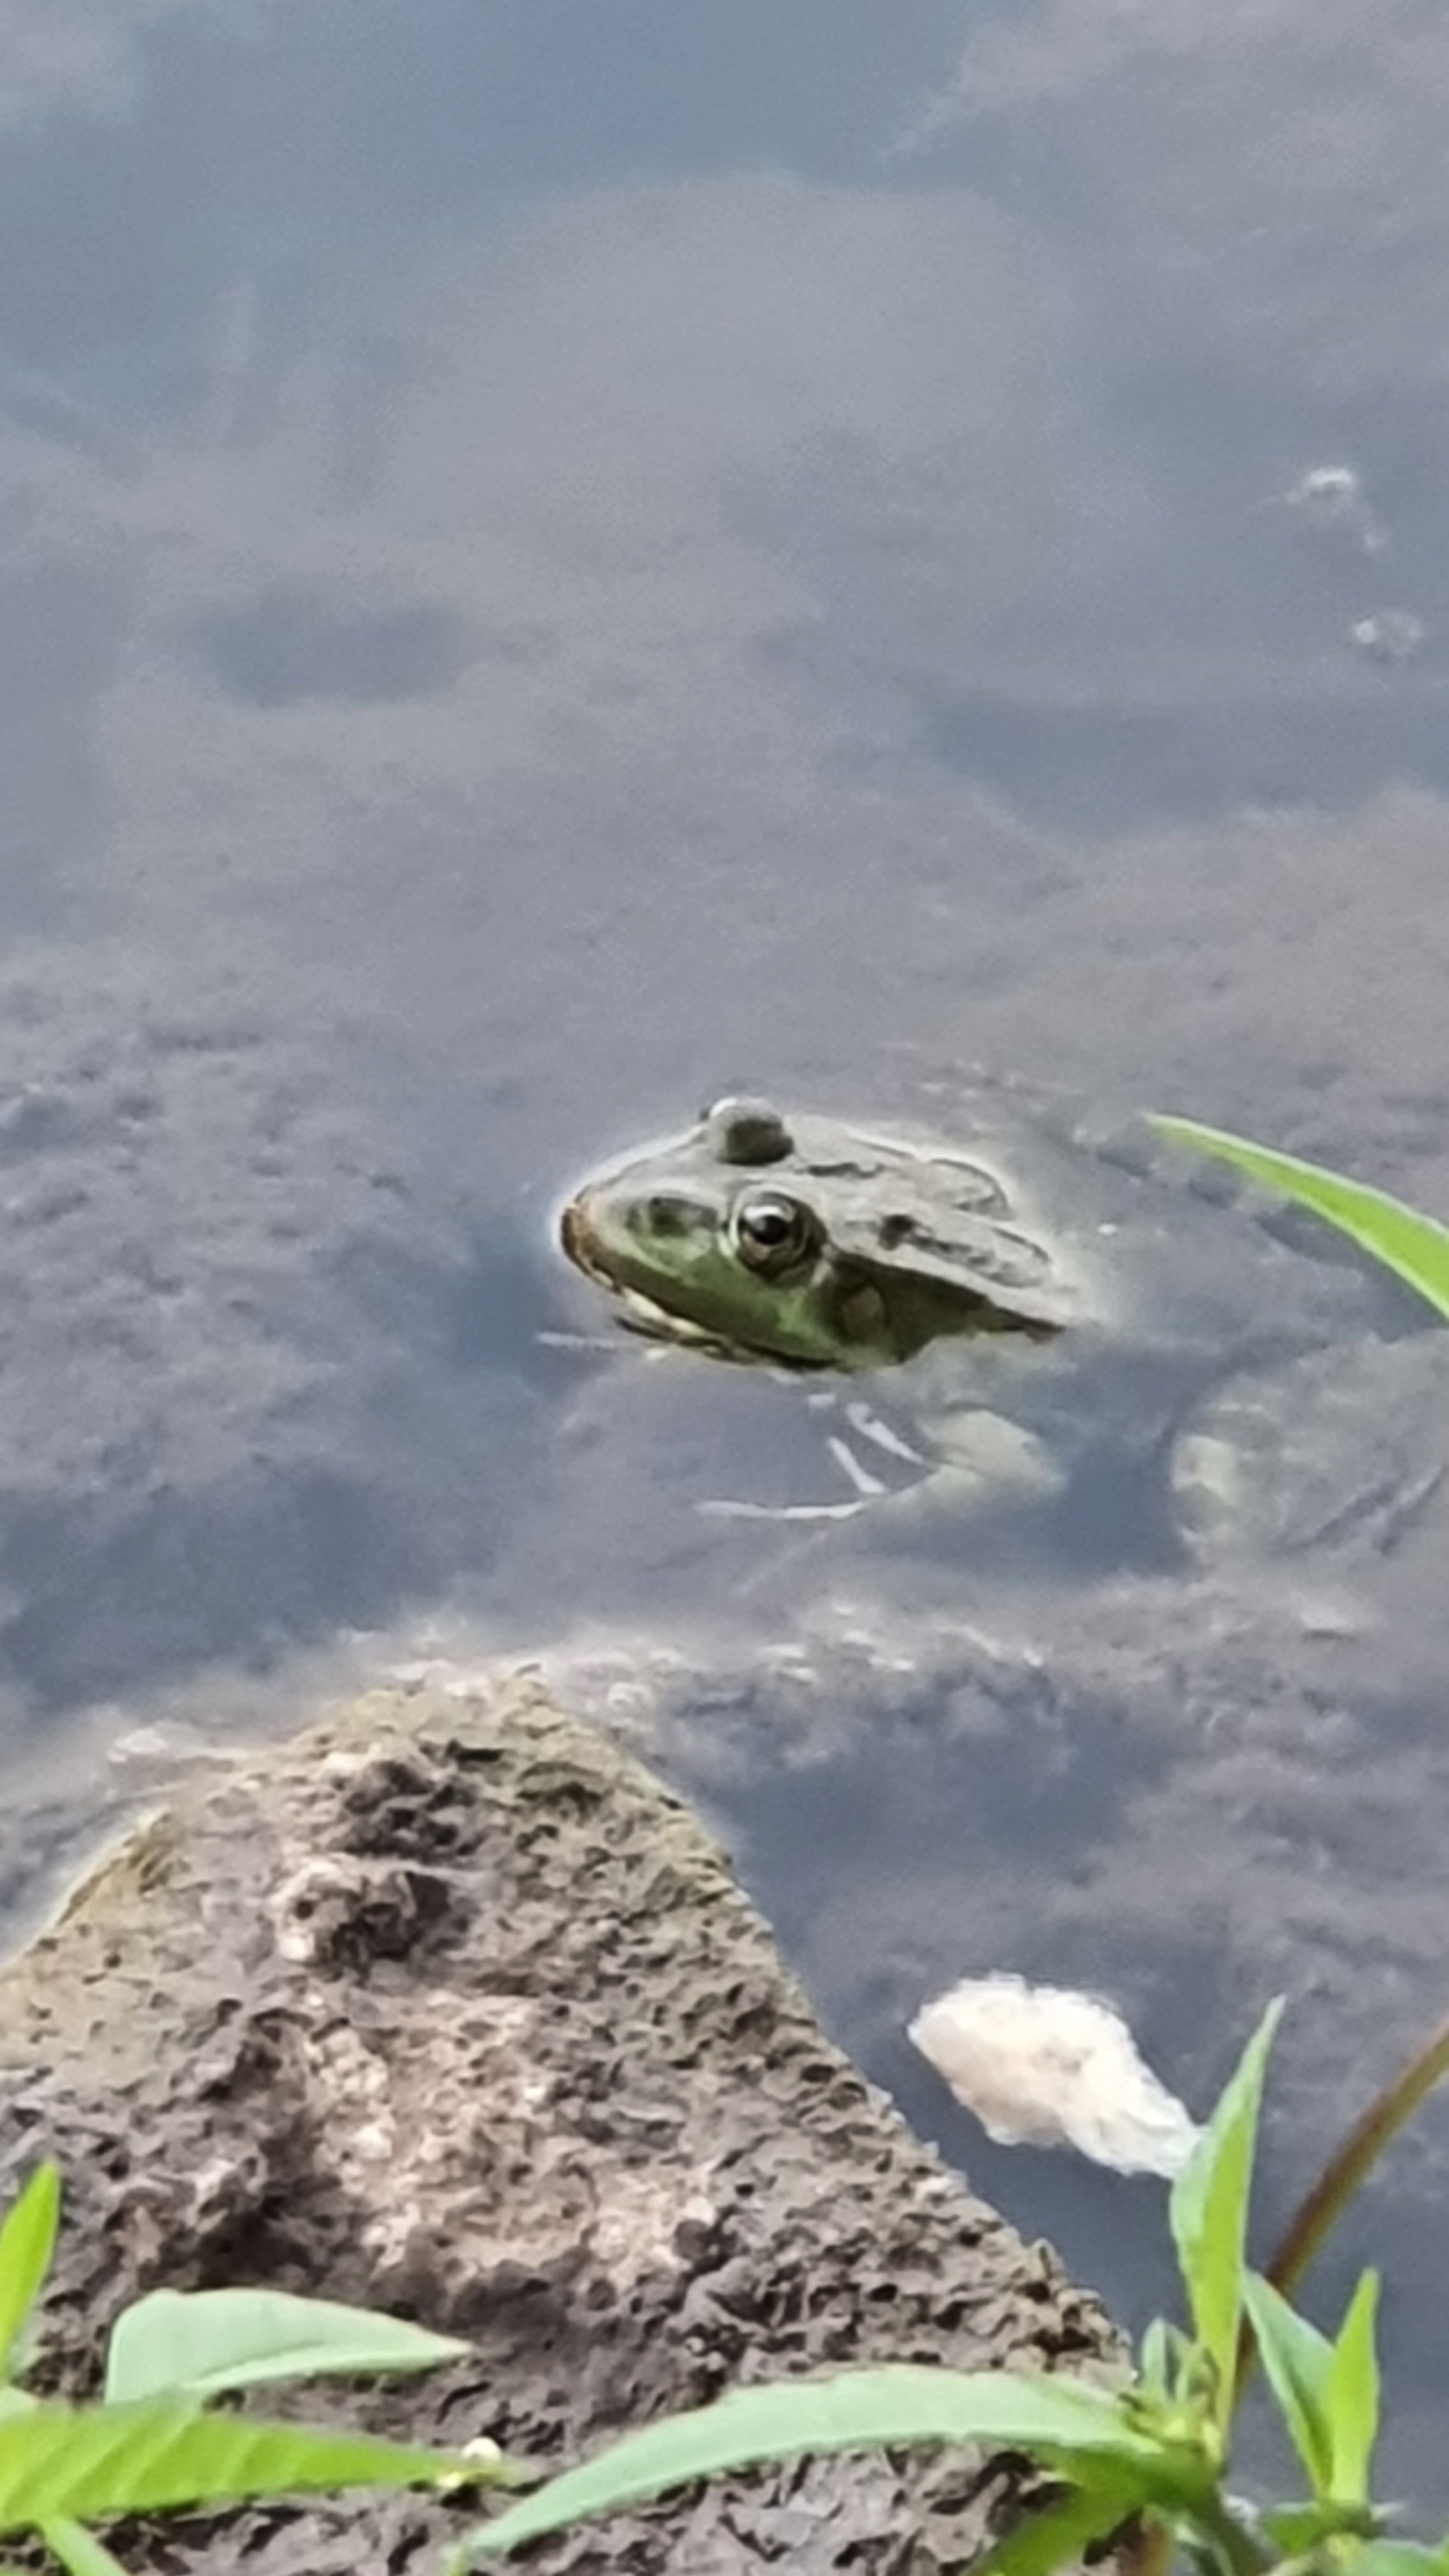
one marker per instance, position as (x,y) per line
(1010,1287)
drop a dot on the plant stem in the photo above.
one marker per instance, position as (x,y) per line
(1348,2168)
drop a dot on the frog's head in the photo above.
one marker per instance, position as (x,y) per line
(808,1242)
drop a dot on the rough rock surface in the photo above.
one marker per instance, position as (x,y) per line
(449,2007)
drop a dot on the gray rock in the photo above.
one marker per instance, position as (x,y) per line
(449,2007)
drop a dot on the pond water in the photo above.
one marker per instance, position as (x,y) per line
(557,561)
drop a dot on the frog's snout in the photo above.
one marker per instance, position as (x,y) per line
(577,1236)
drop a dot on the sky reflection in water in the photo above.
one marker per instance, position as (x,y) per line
(554,561)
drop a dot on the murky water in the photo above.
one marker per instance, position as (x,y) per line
(554,562)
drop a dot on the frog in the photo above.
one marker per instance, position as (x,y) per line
(820,1247)
(811,1243)
(966,1301)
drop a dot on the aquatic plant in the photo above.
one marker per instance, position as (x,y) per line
(1414,1246)
(149,2445)
(1152,2456)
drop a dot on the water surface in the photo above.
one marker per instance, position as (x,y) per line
(554,561)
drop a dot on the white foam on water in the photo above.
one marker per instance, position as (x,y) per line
(1042,2066)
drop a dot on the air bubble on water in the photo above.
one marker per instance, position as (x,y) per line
(1332,497)
(1391,635)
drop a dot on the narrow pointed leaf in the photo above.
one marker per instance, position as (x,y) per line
(207,2341)
(1415,1247)
(1396,2558)
(78,2550)
(1298,2361)
(1208,2207)
(82,2463)
(1351,2395)
(27,2244)
(1152,2358)
(1063,2426)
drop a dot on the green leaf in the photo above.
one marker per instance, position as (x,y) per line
(1059,2534)
(1351,2396)
(82,2463)
(1063,2426)
(78,2550)
(206,2341)
(1296,2530)
(1395,2558)
(1415,1247)
(27,2244)
(1208,2207)
(1153,2359)
(1298,2360)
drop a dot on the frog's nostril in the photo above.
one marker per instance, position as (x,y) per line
(670,1213)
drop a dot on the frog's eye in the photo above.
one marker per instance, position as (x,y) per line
(771,1232)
